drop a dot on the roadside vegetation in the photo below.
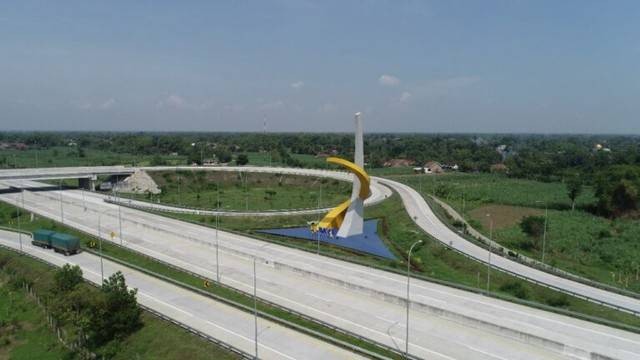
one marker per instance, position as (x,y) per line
(432,260)
(581,241)
(101,320)
(244,191)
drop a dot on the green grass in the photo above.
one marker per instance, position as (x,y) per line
(591,246)
(399,232)
(186,278)
(24,333)
(155,339)
(432,260)
(68,156)
(478,189)
(245,191)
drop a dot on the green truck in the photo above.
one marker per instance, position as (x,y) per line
(42,238)
(65,243)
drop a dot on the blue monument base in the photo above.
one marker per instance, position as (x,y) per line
(369,242)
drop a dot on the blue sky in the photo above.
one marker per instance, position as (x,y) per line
(409,66)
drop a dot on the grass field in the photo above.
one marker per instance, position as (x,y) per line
(154,340)
(597,248)
(432,259)
(68,156)
(245,191)
(24,334)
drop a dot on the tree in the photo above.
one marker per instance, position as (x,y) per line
(242,159)
(67,278)
(574,189)
(533,226)
(117,314)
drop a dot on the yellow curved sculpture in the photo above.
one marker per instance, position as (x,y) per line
(334,218)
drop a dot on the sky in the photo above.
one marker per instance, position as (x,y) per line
(409,66)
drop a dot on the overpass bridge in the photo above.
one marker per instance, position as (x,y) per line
(86,175)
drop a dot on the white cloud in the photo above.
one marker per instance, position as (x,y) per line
(388,80)
(405,97)
(297,85)
(108,104)
(102,105)
(447,86)
(327,107)
(174,101)
(273,105)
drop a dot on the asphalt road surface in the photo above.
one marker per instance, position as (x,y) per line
(445,323)
(220,321)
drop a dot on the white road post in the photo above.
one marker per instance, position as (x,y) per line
(408,300)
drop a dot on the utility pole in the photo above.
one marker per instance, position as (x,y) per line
(255,307)
(490,249)
(544,231)
(19,220)
(217,217)
(406,351)
(61,209)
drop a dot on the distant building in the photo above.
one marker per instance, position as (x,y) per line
(398,163)
(433,167)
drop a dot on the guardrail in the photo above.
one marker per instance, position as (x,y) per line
(209,338)
(580,296)
(162,207)
(436,204)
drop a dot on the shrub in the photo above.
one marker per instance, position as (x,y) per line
(532,225)
(516,289)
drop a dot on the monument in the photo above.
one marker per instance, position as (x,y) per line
(347,219)
(344,225)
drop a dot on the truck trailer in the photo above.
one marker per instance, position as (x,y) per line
(65,243)
(42,238)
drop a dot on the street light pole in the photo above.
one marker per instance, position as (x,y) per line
(408,300)
(490,250)
(61,209)
(544,231)
(100,241)
(255,307)
(19,221)
(217,217)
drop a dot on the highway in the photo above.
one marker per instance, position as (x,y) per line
(446,323)
(425,218)
(220,321)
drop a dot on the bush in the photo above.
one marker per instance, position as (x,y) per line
(516,289)
(532,225)
(560,300)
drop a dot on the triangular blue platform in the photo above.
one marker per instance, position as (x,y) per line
(369,242)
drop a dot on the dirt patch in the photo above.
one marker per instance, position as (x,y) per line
(503,215)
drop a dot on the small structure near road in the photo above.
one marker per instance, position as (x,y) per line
(433,167)
(139,183)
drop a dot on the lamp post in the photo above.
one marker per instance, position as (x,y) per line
(217,217)
(490,250)
(61,209)
(19,221)
(408,302)
(255,308)
(100,240)
(544,230)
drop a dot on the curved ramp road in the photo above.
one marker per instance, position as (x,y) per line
(424,217)
(446,323)
(220,321)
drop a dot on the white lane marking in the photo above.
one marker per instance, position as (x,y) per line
(165,304)
(445,293)
(249,339)
(318,297)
